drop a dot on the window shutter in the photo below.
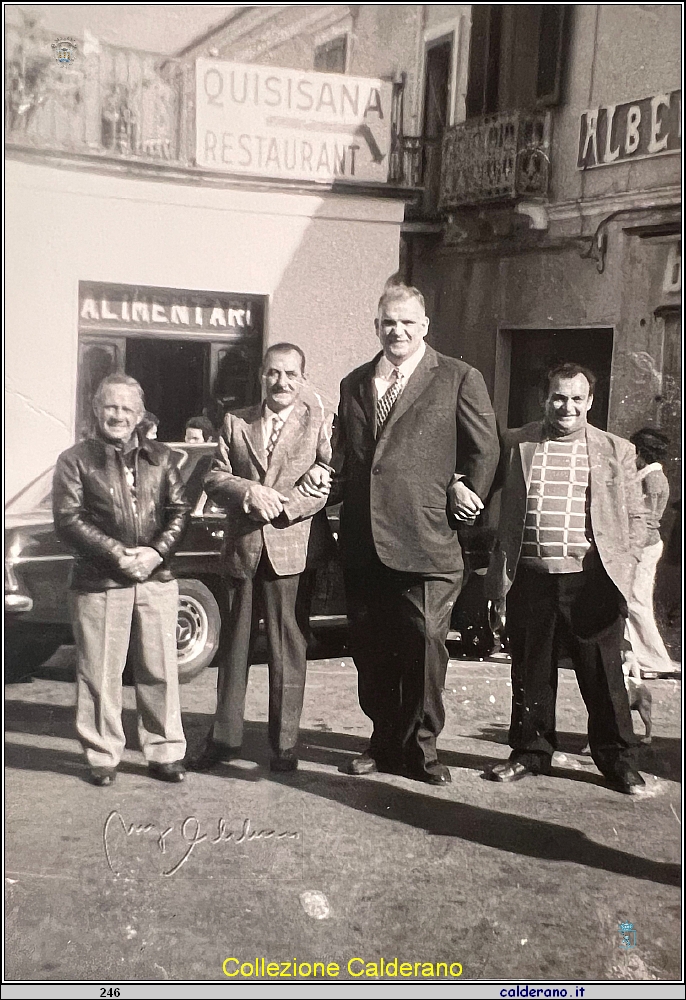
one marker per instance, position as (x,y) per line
(552,45)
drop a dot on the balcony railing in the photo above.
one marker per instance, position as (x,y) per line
(108,101)
(497,158)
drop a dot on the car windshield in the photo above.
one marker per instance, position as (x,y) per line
(193,461)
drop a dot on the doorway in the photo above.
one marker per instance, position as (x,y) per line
(172,374)
(533,352)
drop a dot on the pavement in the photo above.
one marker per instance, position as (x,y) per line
(149,881)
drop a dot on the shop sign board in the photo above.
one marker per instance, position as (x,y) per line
(113,308)
(266,121)
(615,133)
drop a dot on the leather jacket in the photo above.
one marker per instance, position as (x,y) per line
(95,515)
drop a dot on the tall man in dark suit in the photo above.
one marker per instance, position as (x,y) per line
(571,531)
(415,450)
(262,453)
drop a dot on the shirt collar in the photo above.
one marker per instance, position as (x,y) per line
(548,434)
(385,367)
(269,415)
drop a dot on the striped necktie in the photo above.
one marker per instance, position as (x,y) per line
(277,424)
(387,401)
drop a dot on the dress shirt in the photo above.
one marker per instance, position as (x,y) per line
(384,378)
(268,417)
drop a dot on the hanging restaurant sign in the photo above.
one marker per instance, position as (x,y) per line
(614,133)
(281,123)
(135,309)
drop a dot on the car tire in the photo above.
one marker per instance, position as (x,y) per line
(197,628)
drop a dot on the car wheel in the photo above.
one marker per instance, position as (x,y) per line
(197,628)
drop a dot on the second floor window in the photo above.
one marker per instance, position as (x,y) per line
(515,57)
(330,57)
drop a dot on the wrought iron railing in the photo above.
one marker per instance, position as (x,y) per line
(106,100)
(497,158)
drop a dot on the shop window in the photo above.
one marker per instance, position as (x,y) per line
(533,352)
(331,56)
(194,353)
(516,57)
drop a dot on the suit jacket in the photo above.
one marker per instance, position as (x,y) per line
(394,488)
(241,459)
(618,517)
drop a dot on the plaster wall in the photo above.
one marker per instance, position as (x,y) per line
(321,258)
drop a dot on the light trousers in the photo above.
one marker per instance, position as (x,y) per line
(106,624)
(648,651)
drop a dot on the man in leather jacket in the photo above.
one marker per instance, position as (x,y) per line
(119,503)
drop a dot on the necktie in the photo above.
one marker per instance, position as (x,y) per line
(277,424)
(387,401)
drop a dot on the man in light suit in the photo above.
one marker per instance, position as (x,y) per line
(415,450)
(262,453)
(571,531)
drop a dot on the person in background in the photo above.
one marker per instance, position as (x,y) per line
(199,430)
(119,503)
(648,652)
(148,426)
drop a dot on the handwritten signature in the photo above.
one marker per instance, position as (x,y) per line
(191,833)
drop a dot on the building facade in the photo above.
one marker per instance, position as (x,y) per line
(519,163)
(545,141)
(130,247)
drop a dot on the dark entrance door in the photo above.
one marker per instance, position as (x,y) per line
(172,373)
(533,352)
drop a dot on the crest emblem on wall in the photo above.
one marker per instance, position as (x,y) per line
(64,50)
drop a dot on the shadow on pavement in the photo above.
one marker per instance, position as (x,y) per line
(438,816)
(662,757)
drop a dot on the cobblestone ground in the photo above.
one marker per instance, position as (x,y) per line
(524,881)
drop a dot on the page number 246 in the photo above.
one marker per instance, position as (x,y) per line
(111,992)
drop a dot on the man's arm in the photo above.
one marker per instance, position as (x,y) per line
(300,505)
(227,490)
(177,510)
(478,449)
(72,524)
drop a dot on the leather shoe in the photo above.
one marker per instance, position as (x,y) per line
(103,776)
(284,760)
(433,774)
(364,764)
(174,771)
(511,770)
(213,753)
(627,780)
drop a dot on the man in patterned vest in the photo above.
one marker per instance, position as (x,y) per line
(571,531)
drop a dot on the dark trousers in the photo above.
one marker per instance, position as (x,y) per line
(274,597)
(398,624)
(585,612)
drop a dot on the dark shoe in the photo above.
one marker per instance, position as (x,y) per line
(213,753)
(433,774)
(285,760)
(103,776)
(511,770)
(364,764)
(627,780)
(175,771)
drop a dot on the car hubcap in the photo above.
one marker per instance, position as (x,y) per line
(192,628)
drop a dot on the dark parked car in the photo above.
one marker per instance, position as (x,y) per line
(37,567)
